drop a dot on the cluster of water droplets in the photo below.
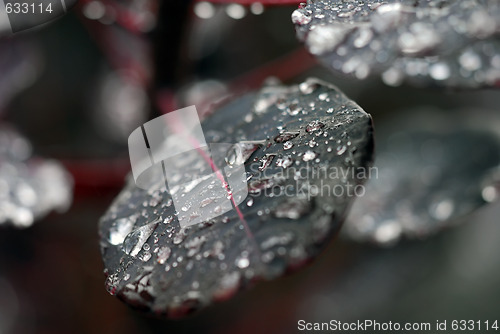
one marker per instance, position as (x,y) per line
(29,187)
(445,43)
(206,10)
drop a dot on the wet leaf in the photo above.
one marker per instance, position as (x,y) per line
(291,138)
(442,43)
(430,174)
(30,187)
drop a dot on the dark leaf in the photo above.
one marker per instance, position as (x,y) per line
(287,218)
(30,187)
(432,170)
(435,42)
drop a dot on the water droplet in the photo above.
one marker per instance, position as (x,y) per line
(388,232)
(242,262)
(239,153)
(323,96)
(284,162)
(442,210)
(279,240)
(265,161)
(314,125)
(194,245)
(293,208)
(323,39)
(308,86)
(341,149)
(281,103)
(285,136)
(287,145)
(145,256)
(490,194)
(309,155)
(236,11)
(300,17)
(135,240)
(293,109)
(163,254)
(179,237)
(440,71)
(257,186)
(119,231)
(470,60)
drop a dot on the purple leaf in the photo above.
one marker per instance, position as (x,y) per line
(289,136)
(432,170)
(30,187)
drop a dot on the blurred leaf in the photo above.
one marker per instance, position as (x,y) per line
(426,43)
(292,137)
(30,187)
(433,169)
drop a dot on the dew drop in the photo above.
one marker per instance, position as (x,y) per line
(300,17)
(341,149)
(145,256)
(179,237)
(286,136)
(287,145)
(265,161)
(135,240)
(284,162)
(293,208)
(308,87)
(243,262)
(120,230)
(309,155)
(293,109)
(314,125)
(163,254)
(239,153)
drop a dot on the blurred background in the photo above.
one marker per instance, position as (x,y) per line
(81,85)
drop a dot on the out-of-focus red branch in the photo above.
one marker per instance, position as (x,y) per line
(284,68)
(123,16)
(91,176)
(123,62)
